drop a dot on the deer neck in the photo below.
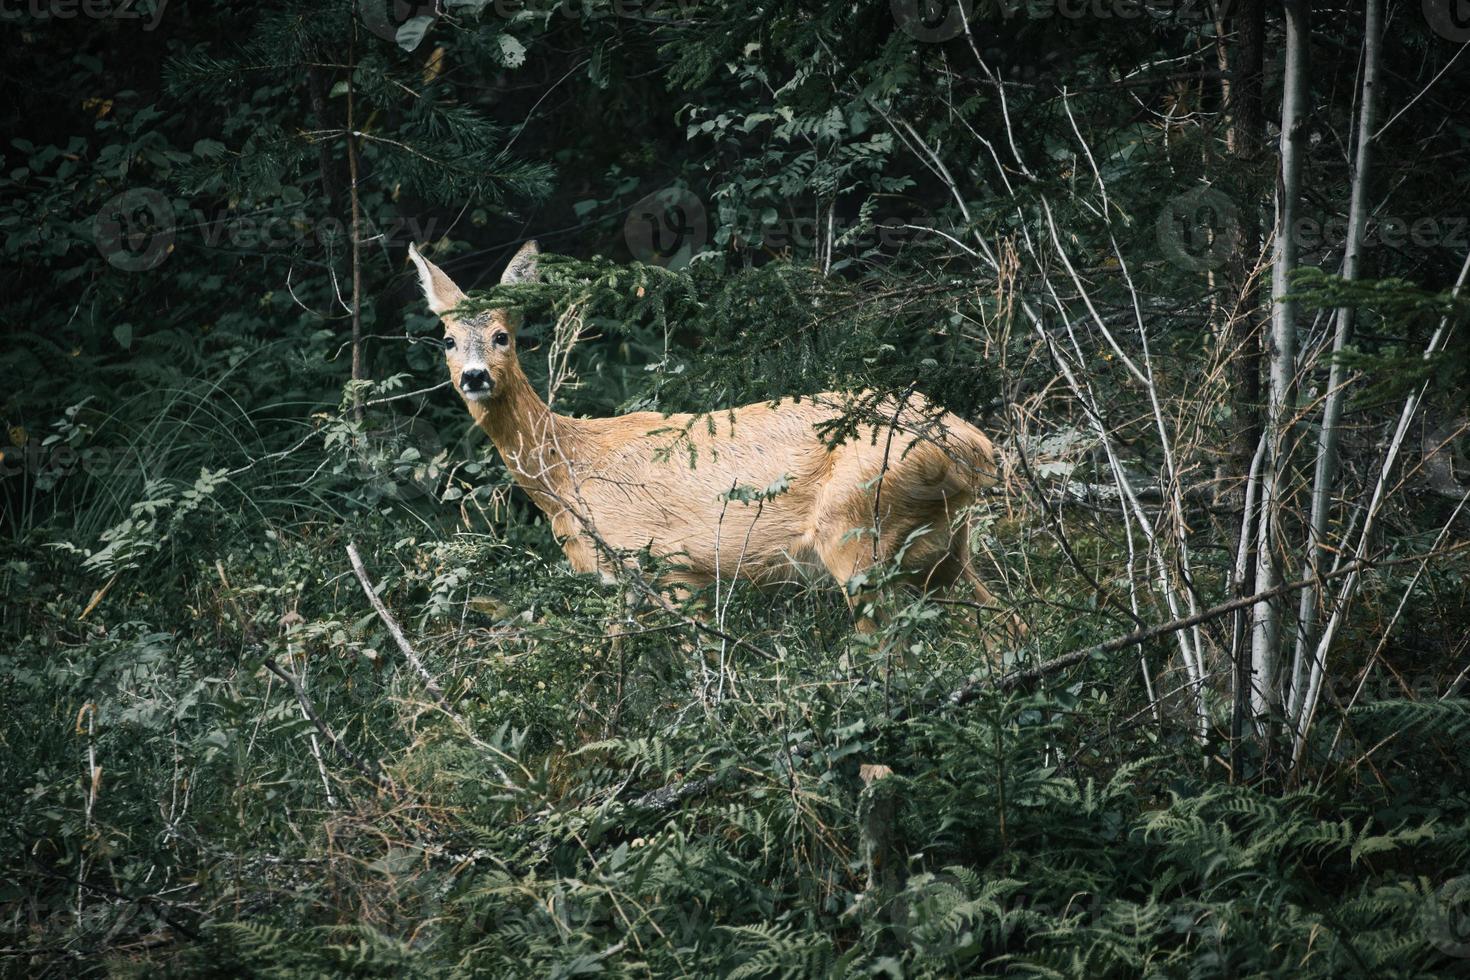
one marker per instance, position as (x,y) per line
(534,441)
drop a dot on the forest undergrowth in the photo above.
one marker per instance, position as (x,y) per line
(224,764)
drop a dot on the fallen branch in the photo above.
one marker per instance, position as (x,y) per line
(430,685)
(669,796)
(370,770)
(1010,681)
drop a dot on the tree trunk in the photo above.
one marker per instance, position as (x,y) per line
(1281,362)
(1243,59)
(1326,469)
(356,243)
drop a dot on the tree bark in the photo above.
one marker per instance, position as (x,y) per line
(1325,474)
(356,243)
(1365,534)
(1243,60)
(1281,362)
(1245,139)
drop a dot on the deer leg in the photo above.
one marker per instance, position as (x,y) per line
(844,559)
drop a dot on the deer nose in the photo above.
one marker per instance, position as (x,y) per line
(474,381)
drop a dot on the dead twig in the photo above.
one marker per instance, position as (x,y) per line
(394,630)
(367,768)
(430,684)
(1008,682)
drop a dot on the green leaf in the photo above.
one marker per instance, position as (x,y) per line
(411,34)
(512,52)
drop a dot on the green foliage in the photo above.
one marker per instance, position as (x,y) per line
(1393,369)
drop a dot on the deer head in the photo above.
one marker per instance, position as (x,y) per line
(479,349)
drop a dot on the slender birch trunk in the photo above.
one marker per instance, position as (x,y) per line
(1325,475)
(1281,353)
(1380,492)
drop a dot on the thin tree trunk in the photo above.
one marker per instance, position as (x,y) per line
(1380,491)
(356,244)
(316,91)
(1242,56)
(1266,624)
(1326,469)
(1240,663)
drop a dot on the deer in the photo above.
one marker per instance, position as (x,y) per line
(669,483)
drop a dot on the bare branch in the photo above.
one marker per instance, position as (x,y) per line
(430,684)
(366,767)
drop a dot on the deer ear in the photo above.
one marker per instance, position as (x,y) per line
(439,290)
(522,267)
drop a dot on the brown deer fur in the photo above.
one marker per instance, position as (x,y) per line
(626,483)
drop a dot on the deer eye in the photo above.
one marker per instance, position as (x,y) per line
(449,343)
(501,339)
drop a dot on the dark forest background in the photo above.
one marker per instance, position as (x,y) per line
(1195,266)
